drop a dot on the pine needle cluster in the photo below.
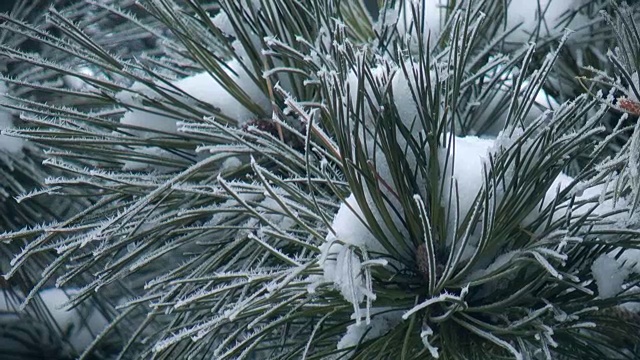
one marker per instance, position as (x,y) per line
(256,179)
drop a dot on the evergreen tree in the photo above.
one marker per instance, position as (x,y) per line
(257,179)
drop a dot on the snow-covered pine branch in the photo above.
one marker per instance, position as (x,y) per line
(284,179)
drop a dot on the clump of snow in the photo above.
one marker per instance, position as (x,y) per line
(490,126)
(560,183)
(344,258)
(551,14)
(132,165)
(611,271)
(230,164)
(462,167)
(500,262)
(340,264)
(387,78)
(523,15)
(8,143)
(382,320)
(609,276)
(206,89)
(223,23)
(631,260)
(491,116)
(202,87)
(432,23)
(635,84)
(350,229)
(77,83)
(462,164)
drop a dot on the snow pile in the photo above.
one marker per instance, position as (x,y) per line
(463,162)
(464,175)
(462,168)
(592,199)
(78,326)
(8,143)
(231,163)
(387,79)
(611,270)
(224,24)
(348,271)
(338,259)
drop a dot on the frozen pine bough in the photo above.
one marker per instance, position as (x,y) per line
(294,179)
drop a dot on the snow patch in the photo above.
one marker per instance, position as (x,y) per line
(8,143)
(82,328)
(78,326)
